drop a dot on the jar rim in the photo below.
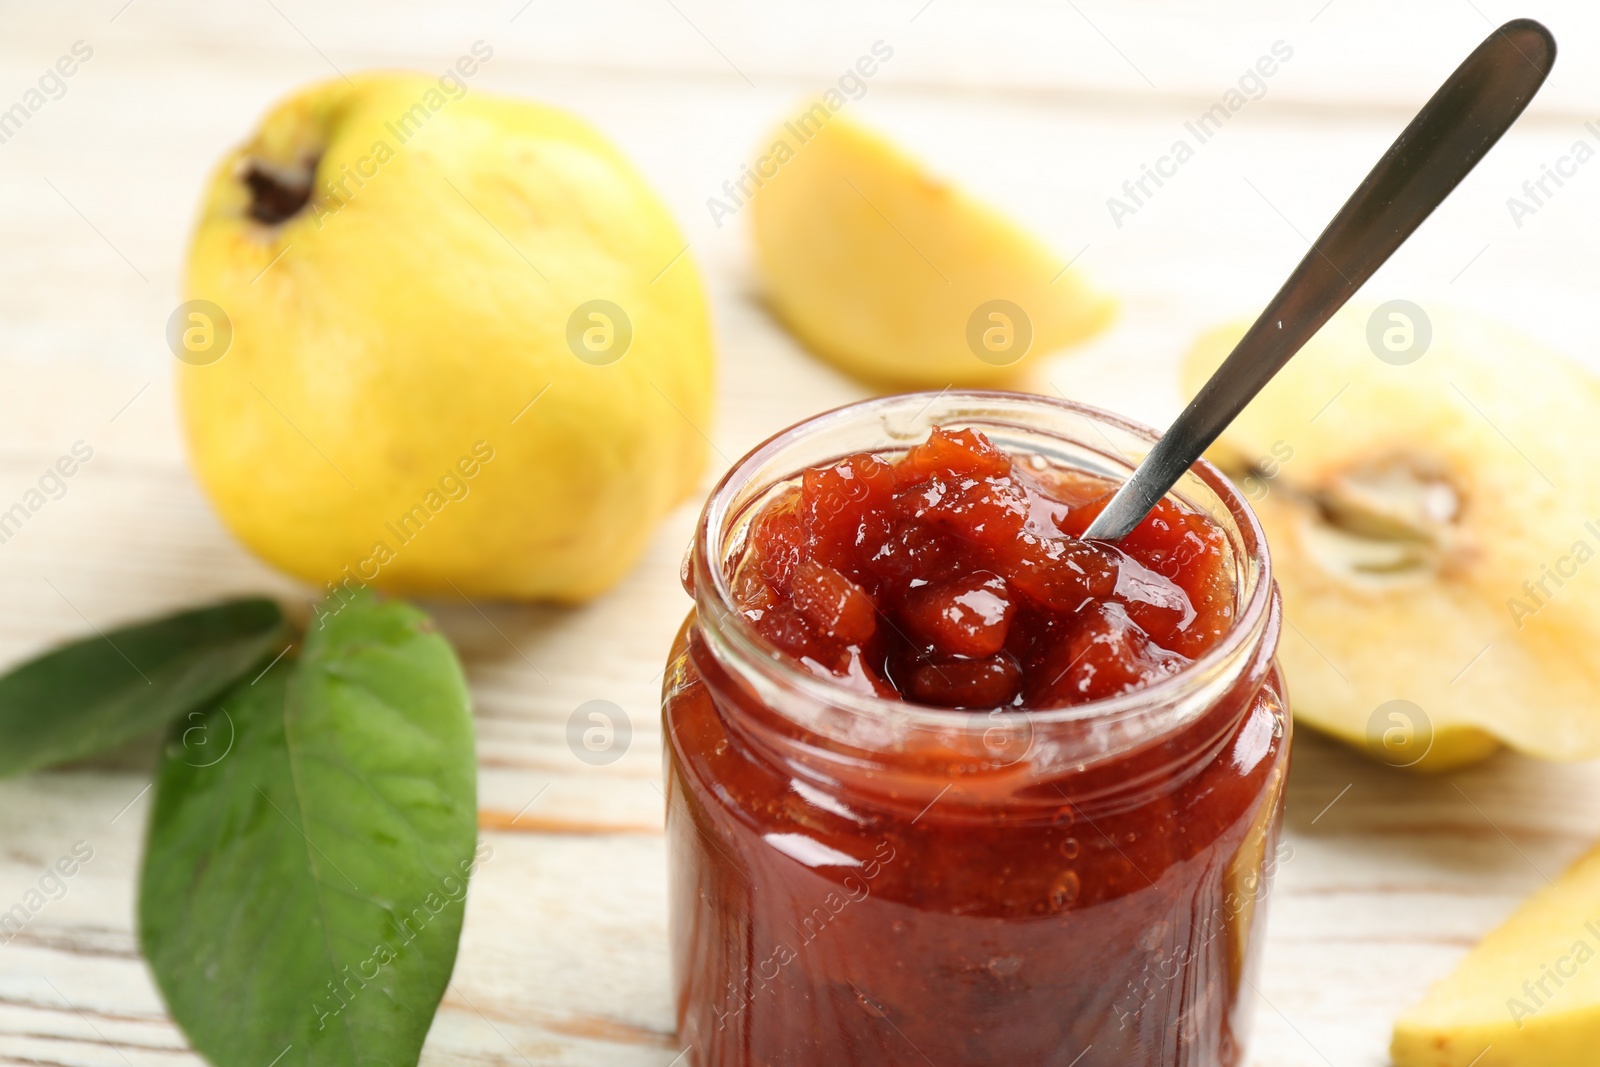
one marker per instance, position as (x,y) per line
(711,577)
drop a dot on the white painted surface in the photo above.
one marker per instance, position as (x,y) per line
(1046,110)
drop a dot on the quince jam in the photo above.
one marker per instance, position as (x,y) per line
(948,784)
(956,576)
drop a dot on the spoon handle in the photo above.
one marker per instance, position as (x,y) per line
(1452,132)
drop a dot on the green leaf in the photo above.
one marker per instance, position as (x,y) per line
(100,692)
(302,898)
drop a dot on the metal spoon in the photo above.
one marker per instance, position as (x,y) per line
(1452,132)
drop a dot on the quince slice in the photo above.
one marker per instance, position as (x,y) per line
(1527,996)
(1433,528)
(897,277)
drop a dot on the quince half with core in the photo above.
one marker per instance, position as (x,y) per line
(1434,525)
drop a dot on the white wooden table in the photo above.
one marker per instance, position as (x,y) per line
(1046,110)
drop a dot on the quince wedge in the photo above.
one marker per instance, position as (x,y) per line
(469,351)
(897,277)
(1528,995)
(1433,521)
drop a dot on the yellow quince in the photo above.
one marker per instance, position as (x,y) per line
(1527,996)
(898,277)
(440,341)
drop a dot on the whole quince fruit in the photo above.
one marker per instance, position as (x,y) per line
(440,341)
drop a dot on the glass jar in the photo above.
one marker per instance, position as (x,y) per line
(862,881)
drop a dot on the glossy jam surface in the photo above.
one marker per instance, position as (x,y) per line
(1096,900)
(955,575)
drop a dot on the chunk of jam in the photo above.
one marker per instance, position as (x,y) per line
(956,575)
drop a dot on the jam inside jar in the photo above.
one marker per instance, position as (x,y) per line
(874,864)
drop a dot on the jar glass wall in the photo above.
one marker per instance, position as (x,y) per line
(861,881)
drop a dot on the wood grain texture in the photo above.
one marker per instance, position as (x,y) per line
(1045,110)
